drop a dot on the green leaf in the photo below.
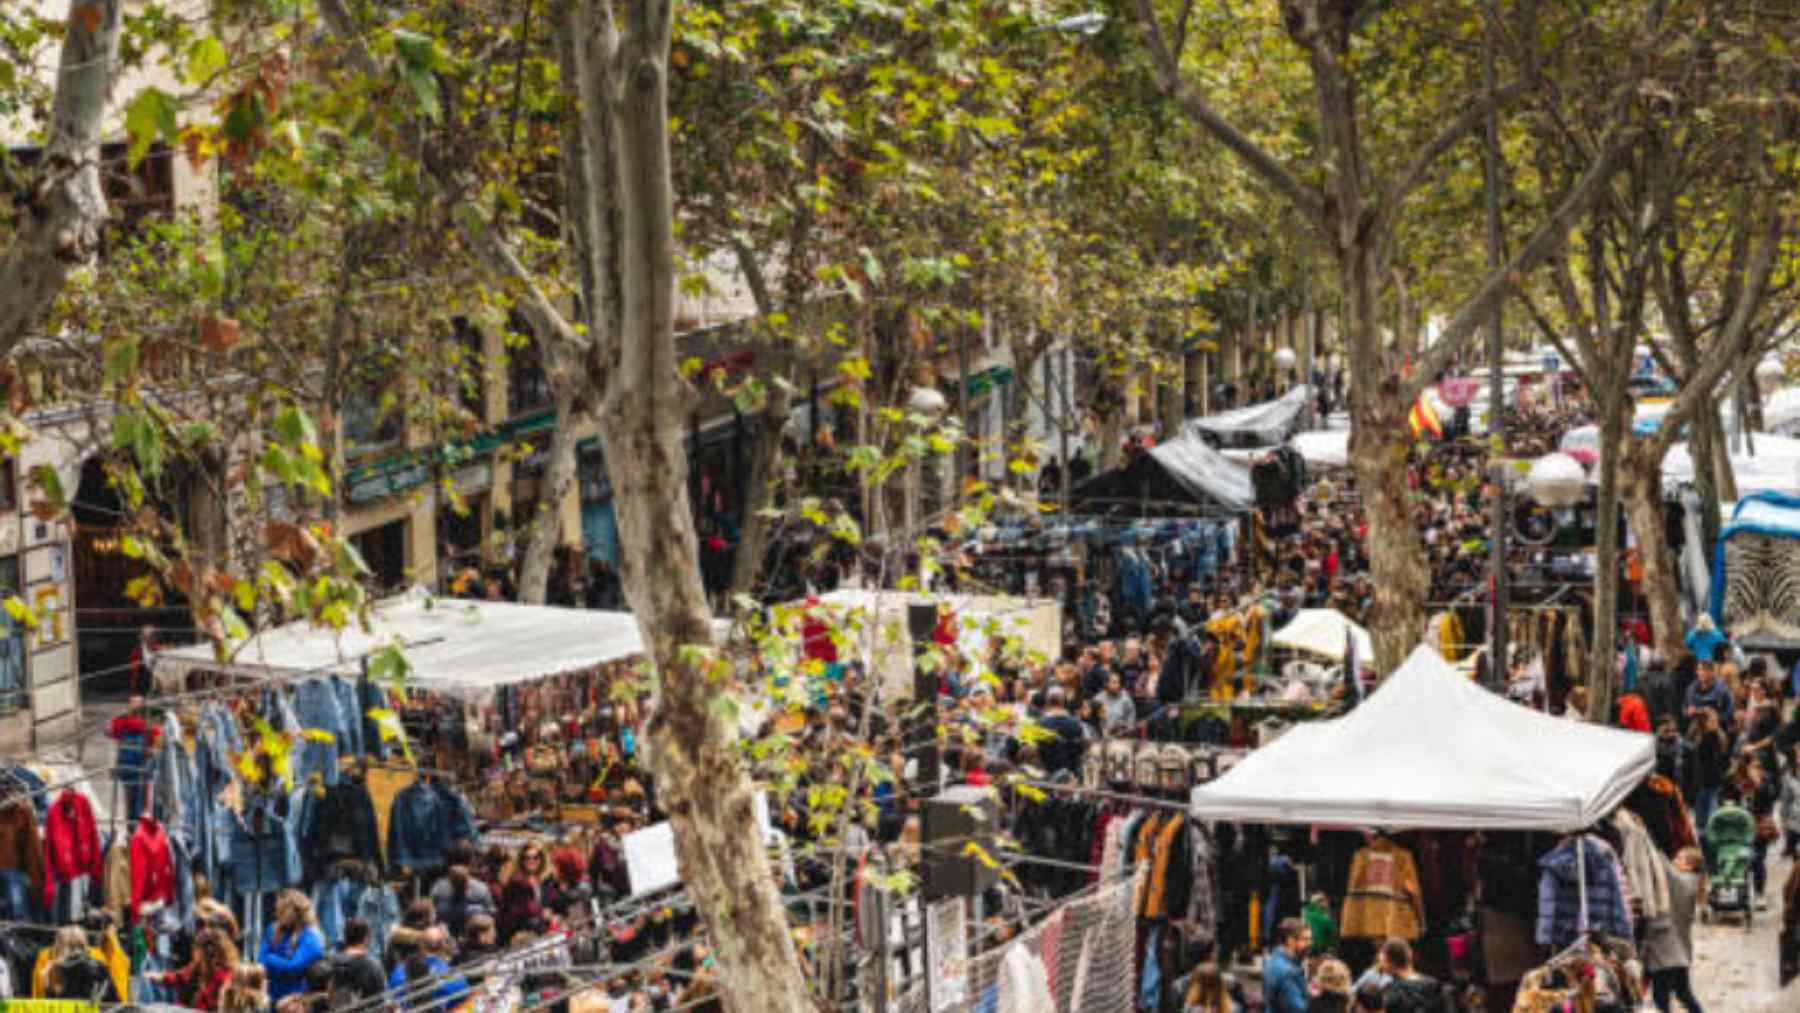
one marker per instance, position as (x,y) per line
(389,665)
(152,113)
(419,51)
(205,58)
(294,428)
(48,482)
(121,362)
(424,88)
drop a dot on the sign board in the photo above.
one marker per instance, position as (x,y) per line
(650,861)
(947,955)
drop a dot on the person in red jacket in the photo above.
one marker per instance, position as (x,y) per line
(71,844)
(152,867)
(136,737)
(199,983)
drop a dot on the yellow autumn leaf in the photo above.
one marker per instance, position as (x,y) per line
(388,724)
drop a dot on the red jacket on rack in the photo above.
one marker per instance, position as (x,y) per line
(152,866)
(71,843)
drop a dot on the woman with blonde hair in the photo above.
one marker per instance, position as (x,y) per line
(291,945)
(1206,992)
(73,970)
(201,983)
(247,991)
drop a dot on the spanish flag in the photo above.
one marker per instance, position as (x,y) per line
(1424,419)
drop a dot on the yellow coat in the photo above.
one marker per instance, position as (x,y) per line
(109,953)
(1384,898)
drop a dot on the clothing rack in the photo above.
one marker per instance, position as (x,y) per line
(26,792)
(1117,796)
(249,682)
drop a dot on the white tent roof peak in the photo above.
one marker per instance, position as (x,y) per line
(1430,749)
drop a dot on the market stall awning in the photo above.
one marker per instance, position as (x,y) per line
(467,648)
(1765,463)
(1270,421)
(1323,448)
(1430,749)
(1323,632)
(1180,477)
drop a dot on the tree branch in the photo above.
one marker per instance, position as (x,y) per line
(1723,352)
(1473,115)
(1477,309)
(1168,74)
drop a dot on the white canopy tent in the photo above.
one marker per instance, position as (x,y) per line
(1781,411)
(1323,448)
(1767,464)
(1323,632)
(1431,750)
(454,646)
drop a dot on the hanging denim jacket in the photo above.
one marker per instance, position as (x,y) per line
(264,853)
(315,708)
(350,737)
(181,855)
(175,780)
(216,740)
(424,820)
(18,901)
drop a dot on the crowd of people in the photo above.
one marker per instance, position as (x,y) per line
(525,915)
(1166,642)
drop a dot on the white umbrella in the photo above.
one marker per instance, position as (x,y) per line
(1556,480)
(1323,632)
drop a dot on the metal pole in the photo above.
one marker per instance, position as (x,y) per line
(1496,241)
(1060,392)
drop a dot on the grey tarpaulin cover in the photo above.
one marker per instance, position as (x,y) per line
(1182,476)
(1270,422)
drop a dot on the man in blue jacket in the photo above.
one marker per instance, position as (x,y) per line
(1708,691)
(1284,979)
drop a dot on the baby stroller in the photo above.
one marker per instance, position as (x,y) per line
(1730,840)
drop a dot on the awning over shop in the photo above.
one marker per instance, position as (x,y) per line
(465,648)
(1269,422)
(1431,750)
(1323,632)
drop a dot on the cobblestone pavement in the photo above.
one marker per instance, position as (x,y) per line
(1736,971)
